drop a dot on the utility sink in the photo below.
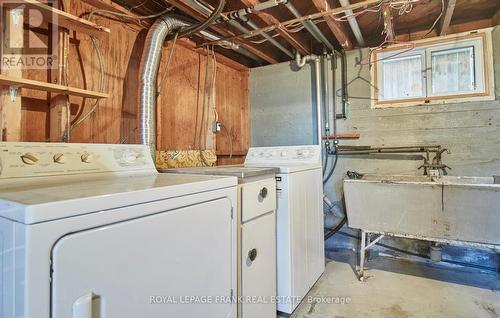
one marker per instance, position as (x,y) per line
(453,208)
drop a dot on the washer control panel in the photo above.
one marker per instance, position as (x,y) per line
(29,159)
(289,154)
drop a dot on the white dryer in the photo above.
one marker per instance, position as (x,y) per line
(91,230)
(300,239)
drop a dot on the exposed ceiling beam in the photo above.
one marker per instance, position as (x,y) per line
(314,16)
(269,19)
(337,28)
(450,7)
(198,15)
(185,42)
(353,23)
(458,27)
(496,18)
(189,44)
(388,23)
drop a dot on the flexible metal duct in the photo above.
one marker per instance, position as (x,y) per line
(150,62)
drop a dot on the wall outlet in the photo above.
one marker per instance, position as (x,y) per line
(216,127)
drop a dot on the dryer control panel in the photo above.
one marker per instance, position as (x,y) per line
(309,154)
(31,159)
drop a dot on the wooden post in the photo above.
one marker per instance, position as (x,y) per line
(209,92)
(388,22)
(59,104)
(10,104)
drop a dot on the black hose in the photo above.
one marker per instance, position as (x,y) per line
(325,163)
(345,94)
(333,231)
(202,26)
(330,174)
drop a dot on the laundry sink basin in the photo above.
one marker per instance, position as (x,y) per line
(444,208)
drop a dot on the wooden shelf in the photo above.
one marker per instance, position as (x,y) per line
(48,87)
(342,136)
(66,20)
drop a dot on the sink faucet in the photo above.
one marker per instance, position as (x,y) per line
(437,167)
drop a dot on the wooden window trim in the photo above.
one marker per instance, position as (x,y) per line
(489,89)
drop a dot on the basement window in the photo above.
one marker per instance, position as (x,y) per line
(440,70)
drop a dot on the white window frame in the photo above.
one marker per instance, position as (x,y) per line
(479,67)
(385,55)
(480,40)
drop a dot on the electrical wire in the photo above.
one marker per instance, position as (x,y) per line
(436,21)
(95,106)
(167,65)
(95,45)
(264,40)
(230,139)
(129,16)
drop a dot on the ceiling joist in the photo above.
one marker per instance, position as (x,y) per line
(314,16)
(198,15)
(450,7)
(270,20)
(337,28)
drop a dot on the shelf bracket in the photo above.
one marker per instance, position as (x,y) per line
(13,92)
(16,13)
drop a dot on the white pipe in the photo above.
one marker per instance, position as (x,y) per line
(317,66)
(301,61)
(353,23)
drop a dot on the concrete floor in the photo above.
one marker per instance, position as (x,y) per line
(402,289)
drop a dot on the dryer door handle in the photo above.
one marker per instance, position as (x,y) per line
(83,306)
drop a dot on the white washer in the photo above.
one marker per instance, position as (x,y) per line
(300,240)
(92,230)
(256,236)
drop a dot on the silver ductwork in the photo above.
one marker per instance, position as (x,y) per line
(148,70)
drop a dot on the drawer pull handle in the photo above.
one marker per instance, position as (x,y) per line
(252,254)
(263,192)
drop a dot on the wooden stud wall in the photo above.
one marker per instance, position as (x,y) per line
(115,120)
(10,109)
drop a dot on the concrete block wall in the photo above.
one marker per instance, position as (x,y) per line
(282,113)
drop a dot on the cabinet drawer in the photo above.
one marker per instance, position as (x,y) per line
(258,198)
(258,266)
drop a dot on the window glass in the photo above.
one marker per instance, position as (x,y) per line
(402,78)
(453,71)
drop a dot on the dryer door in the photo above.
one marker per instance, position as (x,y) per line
(171,264)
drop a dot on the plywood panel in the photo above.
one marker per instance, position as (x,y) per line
(179,105)
(232,105)
(115,120)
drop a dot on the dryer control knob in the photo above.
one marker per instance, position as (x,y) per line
(87,157)
(59,158)
(29,159)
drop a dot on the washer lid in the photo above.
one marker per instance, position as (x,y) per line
(34,200)
(288,167)
(239,171)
